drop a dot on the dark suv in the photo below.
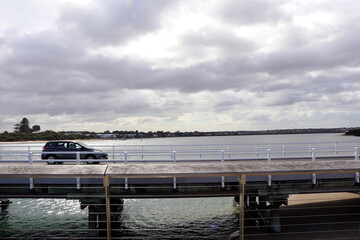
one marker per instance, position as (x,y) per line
(62,150)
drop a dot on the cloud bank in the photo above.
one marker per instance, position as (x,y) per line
(180,65)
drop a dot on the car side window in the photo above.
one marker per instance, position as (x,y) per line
(78,146)
(60,145)
(71,145)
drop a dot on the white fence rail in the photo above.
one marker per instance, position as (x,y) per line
(185,153)
(124,154)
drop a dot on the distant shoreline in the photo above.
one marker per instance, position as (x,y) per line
(124,135)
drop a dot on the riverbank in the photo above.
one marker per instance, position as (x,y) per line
(123,135)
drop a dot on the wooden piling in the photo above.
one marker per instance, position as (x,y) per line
(242,181)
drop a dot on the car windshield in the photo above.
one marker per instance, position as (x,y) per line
(84,145)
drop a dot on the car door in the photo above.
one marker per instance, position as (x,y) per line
(79,148)
(61,148)
(71,147)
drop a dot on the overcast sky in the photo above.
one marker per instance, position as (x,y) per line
(179,64)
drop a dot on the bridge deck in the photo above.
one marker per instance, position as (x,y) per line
(193,169)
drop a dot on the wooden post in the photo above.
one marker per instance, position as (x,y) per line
(107,200)
(242,181)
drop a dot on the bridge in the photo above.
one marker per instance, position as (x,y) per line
(261,178)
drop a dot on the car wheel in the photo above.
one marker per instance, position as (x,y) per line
(90,159)
(51,159)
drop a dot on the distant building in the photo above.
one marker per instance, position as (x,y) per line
(106,135)
(129,135)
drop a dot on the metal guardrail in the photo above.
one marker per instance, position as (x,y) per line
(208,152)
(184,154)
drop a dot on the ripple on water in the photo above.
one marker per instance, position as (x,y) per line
(159,218)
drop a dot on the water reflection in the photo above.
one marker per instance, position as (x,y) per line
(194,218)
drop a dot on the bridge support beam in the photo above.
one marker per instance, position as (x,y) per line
(275,225)
(275,200)
(108,213)
(96,220)
(242,182)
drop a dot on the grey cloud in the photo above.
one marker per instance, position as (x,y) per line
(113,21)
(273,84)
(281,99)
(226,104)
(56,69)
(44,49)
(295,37)
(259,117)
(56,64)
(342,49)
(50,72)
(80,103)
(223,41)
(252,12)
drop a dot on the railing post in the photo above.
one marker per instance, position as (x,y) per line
(126,183)
(356,153)
(357,174)
(126,161)
(108,211)
(257,150)
(113,152)
(269,161)
(174,156)
(31,183)
(283,149)
(174,161)
(174,182)
(30,158)
(313,158)
(171,149)
(336,151)
(142,152)
(242,182)
(30,163)
(78,184)
(77,158)
(229,151)
(222,161)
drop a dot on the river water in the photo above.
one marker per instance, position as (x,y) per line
(190,218)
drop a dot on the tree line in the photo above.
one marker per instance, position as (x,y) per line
(353,132)
(23,132)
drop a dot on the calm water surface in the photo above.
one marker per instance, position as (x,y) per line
(191,218)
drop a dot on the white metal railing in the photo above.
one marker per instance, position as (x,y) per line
(140,147)
(209,152)
(189,153)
